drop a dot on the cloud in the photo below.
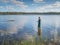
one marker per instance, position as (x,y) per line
(5,1)
(1,7)
(20,4)
(56,4)
(8,8)
(37,1)
(15,3)
(49,8)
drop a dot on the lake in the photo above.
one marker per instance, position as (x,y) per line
(26,26)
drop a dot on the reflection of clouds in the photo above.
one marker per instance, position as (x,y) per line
(28,37)
(56,21)
(35,23)
(52,32)
(18,23)
(21,22)
(2,32)
(11,27)
(53,20)
(45,20)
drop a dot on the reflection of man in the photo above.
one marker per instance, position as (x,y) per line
(39,29)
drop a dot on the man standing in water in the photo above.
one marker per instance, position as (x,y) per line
(39,32)
(39,27)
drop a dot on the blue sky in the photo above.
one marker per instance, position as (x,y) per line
(30,5)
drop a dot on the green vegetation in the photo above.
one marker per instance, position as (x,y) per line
(34,41)
(17,13)
(12,41)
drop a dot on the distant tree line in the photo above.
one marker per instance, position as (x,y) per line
(4,13)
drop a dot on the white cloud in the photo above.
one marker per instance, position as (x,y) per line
(8,8)
(20,4)
(57,4)
(37,1)
(5,1)
(15,2)
(1,7)
(49,8)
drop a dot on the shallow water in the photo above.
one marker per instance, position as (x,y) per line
(25,26)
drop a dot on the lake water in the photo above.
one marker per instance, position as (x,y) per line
(19,21)
(27,25)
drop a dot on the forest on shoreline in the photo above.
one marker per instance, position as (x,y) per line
(15,13)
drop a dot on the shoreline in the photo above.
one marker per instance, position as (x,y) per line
(34,13)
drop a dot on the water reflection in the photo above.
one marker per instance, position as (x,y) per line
(11,30)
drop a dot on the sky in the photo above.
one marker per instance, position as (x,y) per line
(29,5)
